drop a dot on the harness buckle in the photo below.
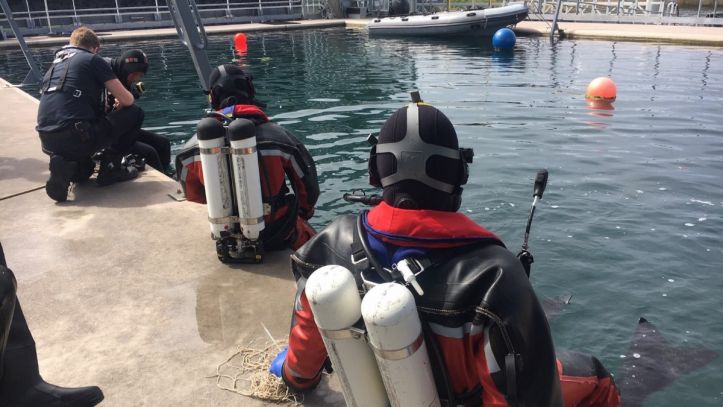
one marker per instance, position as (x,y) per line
(358,257)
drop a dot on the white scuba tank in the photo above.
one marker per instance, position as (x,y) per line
(395,334)
(336,304)
(245,167)
(216,179)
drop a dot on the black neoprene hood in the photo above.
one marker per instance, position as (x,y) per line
(134,60)
(418,156)
(230,85)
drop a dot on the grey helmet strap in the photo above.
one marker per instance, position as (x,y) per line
(412,153)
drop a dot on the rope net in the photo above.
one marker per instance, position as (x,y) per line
(246,373)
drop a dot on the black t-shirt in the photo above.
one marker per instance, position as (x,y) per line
(81,96)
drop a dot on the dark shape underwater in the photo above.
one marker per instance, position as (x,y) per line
(652,363)
(553,306)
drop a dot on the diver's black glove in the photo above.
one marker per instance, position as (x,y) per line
(327,366)
(137,89)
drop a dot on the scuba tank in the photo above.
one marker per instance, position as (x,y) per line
(245,166)
(216,177)
(220,181)
(336,305)
(395,334)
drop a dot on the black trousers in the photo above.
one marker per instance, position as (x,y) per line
(117,131)
(18,358)
(7,309)
(156,149)
(14,331)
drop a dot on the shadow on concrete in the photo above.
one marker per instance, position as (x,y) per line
(276,257)
(129,194)
(26,168)
(229,297)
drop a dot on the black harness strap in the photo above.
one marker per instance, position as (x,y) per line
(511,358)
(361,256)
(471,398)
(68,59)
(511,375)
(46,79)
(65,74)
(274,235)
(439,368)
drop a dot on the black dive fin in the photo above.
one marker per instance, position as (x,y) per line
(652,363)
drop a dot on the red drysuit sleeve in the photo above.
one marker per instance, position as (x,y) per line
(302,369)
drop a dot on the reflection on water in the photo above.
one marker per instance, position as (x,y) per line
(634,206)
(600,108)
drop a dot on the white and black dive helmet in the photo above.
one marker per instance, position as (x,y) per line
(417,160)
(229,85)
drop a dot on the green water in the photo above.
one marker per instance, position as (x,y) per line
(630,224)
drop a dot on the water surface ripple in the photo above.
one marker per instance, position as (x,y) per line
(632,219)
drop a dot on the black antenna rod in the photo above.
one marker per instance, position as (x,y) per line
(540,184)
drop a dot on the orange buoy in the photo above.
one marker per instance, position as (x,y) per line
(602,90)
(239,42)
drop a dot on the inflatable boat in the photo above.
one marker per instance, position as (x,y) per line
(470,22)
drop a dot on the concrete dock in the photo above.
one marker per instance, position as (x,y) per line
(674,34)
(121,286)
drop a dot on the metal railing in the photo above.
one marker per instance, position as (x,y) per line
(155,14)
(619,11)
(627,11)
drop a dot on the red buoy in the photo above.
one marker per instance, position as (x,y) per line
(239,43)
(601,90)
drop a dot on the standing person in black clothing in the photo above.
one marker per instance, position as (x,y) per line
(72,123)
(20,382)
(130,68)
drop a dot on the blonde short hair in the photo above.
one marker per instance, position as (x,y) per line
(84,37)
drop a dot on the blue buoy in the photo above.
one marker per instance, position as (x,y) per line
(504,38)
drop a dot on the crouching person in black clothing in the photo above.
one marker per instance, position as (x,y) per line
(153,148)
(72,123)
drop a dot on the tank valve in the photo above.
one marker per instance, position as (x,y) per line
(409,269)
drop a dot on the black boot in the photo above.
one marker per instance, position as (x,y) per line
(61,173)
(7,305)
(111,170)
(86,168)
(22,385)
(20,381)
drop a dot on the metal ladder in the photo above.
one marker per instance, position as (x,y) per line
(189,27)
